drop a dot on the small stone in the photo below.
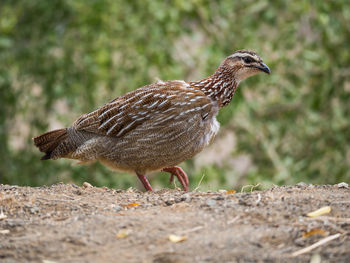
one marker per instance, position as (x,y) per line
(178,200)
(4,231)
(87,185)
(211,202)
(130,190)
(34,210)
(118,208)
(170,201)
(300,242)
(342,185)
(77,192)
(147,205)
(186,198)
(14,222)
(151,247)
(301,184)
(2,216)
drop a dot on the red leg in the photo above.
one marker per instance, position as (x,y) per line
(180,174)
(145,182)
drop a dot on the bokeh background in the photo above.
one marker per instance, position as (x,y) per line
(62,58)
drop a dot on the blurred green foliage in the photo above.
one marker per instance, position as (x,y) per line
(61,58)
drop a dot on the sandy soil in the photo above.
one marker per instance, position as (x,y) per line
(67,223)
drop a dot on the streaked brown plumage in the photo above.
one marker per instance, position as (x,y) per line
(154,127)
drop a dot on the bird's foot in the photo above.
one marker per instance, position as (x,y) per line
(145,182)
(180,174)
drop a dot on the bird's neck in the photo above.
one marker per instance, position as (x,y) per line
(219,87)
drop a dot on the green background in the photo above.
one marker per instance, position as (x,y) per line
(62,58)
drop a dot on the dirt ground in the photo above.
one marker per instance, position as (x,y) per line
(67,223)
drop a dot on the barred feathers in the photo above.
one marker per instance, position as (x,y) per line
(48,142)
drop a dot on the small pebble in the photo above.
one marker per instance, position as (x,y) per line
(4,231)
(77,192)
(14,222)
(211,202)
(130,190)
(87,185)
(186,198)
(118,208)
(147,205)
(170,201)
(2,216)
(343,185)
(151,247)
(34,210)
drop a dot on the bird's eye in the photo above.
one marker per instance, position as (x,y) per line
(248,60)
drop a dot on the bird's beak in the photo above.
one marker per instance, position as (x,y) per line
(263,67)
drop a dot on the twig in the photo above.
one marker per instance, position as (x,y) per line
(27,237)
(245,186)
(330,218)
(251,187)
(175,186)
(190,230)
(69,197)
(200,181)
(233,220)
(315,245)
(58,200)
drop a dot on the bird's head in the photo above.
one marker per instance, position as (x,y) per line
(223,83)
(243,64)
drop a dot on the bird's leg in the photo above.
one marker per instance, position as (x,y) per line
(180,174)
(145,182)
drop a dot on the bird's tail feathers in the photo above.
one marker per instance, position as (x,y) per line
(49,141)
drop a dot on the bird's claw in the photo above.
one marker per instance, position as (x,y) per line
(180,174)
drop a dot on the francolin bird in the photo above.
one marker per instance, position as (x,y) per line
(155,127)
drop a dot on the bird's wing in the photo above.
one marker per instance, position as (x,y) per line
(159,102)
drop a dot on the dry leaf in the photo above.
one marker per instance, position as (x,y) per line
(175,238)
(230,191)
(319,212)
(131,205)
(123,233)
(316,258)
(315,231)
